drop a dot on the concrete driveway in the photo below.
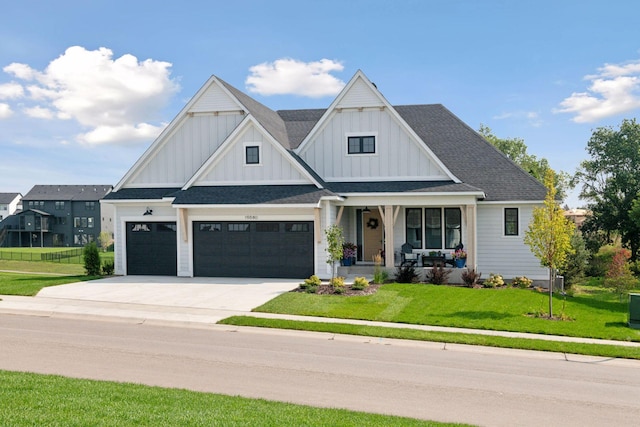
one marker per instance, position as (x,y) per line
(194,292)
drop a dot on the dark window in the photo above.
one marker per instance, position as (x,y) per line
(414,227)
(76,221)
(59,206)
(90,206)
(361,144)
(511,221)
(252,155)
(211,227)
(294,227)
(90,222)
(452,227)
(267,227)
(433,228)
(238,227)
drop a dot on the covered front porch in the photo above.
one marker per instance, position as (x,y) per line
(425,231)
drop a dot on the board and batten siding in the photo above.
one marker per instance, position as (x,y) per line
(274,167)
(508,256)
(360,95)
(398,155)
(186,150)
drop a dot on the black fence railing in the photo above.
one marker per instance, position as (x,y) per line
(67,256)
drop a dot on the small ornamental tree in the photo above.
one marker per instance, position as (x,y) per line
(91,258)
(105,240)
(549,235)
(619,276)
(335,240)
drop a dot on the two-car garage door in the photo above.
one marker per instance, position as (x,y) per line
(253,249)
(224,249)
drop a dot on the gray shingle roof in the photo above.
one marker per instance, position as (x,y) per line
(68,192)
(299,123)
(401,187)
(268,118)
(6,198)
(255,194)
(469,156)
(141,193)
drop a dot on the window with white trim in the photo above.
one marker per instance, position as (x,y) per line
(252,155)
(511,227)
(362,144)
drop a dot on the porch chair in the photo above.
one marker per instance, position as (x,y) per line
(407,255)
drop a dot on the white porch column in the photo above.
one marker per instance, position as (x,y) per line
(388,237)
(471,245)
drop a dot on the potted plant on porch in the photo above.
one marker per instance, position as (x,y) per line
(349,252)
(459,257)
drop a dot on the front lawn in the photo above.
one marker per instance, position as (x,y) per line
(47,400)
(30,284)
(595,313)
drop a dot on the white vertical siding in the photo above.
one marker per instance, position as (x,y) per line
(360,95)
(214,99)
(274,167)
(398,155)
(505,255)
(190,145)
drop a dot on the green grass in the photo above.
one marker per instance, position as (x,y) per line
(41,267)
(30,284)
(595,313)
(601,350)
(33,399)
(33,255)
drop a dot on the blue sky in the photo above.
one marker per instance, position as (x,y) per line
(86,85)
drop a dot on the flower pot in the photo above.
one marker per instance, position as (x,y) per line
(346,262)
(460,262)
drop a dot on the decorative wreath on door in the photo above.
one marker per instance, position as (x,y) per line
(372,223)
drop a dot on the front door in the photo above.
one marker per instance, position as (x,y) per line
(373,235)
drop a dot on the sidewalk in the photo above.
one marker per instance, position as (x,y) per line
(199,317)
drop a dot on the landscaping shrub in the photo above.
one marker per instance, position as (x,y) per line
(91,259)
(107,268)
(577,261)
(438,275)
(493,281)
(471,277)
(521,282)
(619,277)
(311,281)
(406,274)
(599,263)
(360,283)
(379,275)
(337,283)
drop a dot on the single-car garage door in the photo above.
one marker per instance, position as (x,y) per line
(253,249)
(152,248)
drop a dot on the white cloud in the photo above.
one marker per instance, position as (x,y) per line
(113,98)
(532,117)
(39,112)
(291,77)
(122,133)
(5,111)
(614,90)
(11,91)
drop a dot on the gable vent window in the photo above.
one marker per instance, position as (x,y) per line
(252,155)
(361,144)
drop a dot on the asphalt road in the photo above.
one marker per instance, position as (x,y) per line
(476,385)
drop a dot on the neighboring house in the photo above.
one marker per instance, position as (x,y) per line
(58,215)
(232,188)
(9,204)
(577,216)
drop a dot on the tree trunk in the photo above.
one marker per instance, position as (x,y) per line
(551,276)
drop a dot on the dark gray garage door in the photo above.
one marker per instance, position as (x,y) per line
(253,249)
(152,248)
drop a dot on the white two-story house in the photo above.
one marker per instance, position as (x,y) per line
(233,188)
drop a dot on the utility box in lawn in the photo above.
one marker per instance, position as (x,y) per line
(634,311)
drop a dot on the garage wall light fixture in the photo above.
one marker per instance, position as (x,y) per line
(148,211)
(366,209)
